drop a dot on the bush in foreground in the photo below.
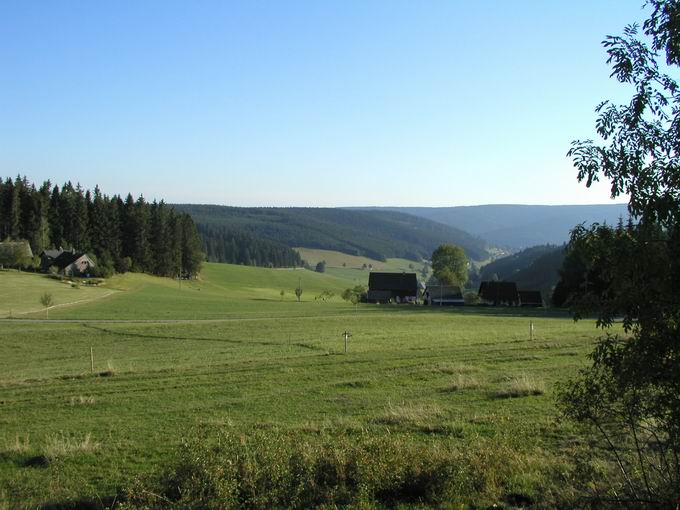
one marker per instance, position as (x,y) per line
(278,469)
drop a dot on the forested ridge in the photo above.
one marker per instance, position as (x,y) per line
(122,234)
(375,234)
(222,243)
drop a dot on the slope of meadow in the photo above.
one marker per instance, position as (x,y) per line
(422,375)
(351,267)
(21,292)
(224,290)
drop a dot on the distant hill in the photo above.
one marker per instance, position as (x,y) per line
(377,234)
(535,268)
(518,226)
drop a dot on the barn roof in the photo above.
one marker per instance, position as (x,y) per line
(68,257)
(393,281)
(53,254)
(445,292)
(23,248)
(498,291)
(531,297)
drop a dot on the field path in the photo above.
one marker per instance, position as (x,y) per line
(60,305)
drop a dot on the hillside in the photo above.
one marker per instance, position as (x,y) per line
(375,234)
(534,268)
(223,290)
(518,226)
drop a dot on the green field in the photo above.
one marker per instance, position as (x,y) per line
(339,259)
(241,358)
(20,296)
(351,267)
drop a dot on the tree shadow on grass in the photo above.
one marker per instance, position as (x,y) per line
(204,339)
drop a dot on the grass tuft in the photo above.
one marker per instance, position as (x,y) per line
(408,415)
(453,368)
(463,382)
(18,445)
(522,386)
(62,445)
(81,400)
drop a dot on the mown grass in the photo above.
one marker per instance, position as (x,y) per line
(338,259)
(263,365)
(223,291)
(21,291)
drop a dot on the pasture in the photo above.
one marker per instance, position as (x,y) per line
(238,357)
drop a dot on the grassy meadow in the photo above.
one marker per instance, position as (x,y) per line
(351,267)
(21,291)
(226,352)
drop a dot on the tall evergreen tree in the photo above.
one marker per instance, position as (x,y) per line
(152,238)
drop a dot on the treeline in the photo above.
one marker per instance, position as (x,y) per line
(224,244)
(375,234)
(123,235)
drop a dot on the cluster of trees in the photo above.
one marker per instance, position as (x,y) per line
(122,235)
(629,396)
(355,294)
(226,244)
(450,265)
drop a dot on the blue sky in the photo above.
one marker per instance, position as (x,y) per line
(323,103)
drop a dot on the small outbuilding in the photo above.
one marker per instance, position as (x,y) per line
(444,295)
(499,293)
(396,287)
(530,298)
(67,262)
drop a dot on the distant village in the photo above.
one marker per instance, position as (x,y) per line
(404,287)
(383,287)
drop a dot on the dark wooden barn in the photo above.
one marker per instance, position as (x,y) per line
(531,298)
(444,295)
(386,287)
(499,293)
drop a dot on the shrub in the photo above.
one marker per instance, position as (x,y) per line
(279,469)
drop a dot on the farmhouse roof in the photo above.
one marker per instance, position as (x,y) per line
(23,246)
(445,292)
(531,297)
(499,291)
(52,254)
(67,258)
(393,281)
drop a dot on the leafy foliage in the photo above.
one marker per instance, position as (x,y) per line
(630,393)
(450,265)
(355,294)
(280,469)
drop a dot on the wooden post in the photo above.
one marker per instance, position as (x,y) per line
(531,330)
(91,360)
(346,335)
